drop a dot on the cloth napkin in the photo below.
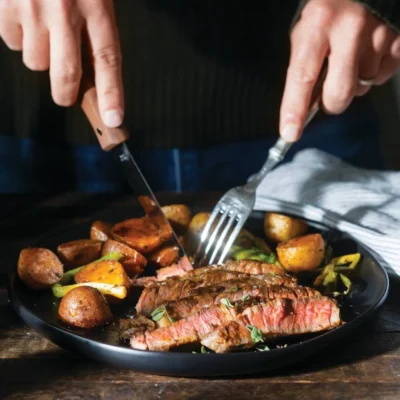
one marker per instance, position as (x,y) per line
(322,188)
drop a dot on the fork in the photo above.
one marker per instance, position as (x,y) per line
(235,206)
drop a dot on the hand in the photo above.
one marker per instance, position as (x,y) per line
(358,46)
(49,33)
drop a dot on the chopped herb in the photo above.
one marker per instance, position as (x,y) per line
(226,302)
(346,282)
(262,348)
(203,350)
(235,289)
(245,297)
(256,335)
(159,313)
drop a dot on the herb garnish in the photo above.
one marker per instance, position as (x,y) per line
(245,297)
(159,313)
(262,348)
(234,289)
(203,350)
(226,302)
(256,335)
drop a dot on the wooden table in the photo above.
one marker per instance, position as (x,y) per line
(363,366)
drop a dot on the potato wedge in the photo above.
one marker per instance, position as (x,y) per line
(79,252)
(179,215)
(133,262)
(84,307)
(39,268)
(192,236)
(281,228)
(302,254)
(164,257)
(100,230)
(103,272)
(139,233)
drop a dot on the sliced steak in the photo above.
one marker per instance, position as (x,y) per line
(182,308)
(158,293)
(133,326)
(280,317)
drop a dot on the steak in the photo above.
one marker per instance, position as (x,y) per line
(158,293)
(277,318)
(182,308)
(280,317)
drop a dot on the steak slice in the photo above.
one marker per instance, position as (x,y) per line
(251,267)
(280,317)
(159,293)
(133,326)
(182,308)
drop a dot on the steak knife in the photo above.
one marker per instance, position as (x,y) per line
(113,140)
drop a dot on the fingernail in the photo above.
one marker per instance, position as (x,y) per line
(291,132)
(112,118)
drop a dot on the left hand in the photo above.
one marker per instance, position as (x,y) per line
(358,46)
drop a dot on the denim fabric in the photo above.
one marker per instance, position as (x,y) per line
(27,166)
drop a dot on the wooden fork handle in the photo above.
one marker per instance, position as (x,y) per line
(107,137)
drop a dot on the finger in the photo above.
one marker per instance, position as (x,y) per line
(307,55)
(341,81)
(104,41)
(65,63)
(11,33)
(390,63)
(35,41)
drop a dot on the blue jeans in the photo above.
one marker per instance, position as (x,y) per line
(27,166)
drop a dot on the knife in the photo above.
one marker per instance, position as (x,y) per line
(113,140)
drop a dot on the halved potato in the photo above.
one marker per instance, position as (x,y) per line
(281,228)
(100,230)
(139,233)
(179,215)
(104,272)
(39,268)
(302,254)
(133,262)
(193,233)
(84,307)
(164,257)
(79,252)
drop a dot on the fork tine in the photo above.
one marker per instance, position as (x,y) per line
(221,239)
(204,235)
(231,239)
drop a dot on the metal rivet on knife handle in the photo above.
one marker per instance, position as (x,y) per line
(107,137)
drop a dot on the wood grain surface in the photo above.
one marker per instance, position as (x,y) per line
(364,365)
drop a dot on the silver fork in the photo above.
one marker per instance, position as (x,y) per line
(235,206)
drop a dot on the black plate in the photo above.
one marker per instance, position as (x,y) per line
(39,310)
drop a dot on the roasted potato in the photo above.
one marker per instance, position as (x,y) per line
(193,233)
(79,252)
(179,216)
(139,233)
(84,307)
(302,254)
(164,257)
(103,272)
(100,230)
(133,262)
(164,228)
(281,228)
(39,268)
(148,205)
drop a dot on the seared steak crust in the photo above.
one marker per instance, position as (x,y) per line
(159,293)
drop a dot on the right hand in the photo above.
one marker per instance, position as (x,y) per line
(49,33)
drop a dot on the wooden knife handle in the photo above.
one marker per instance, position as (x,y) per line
(107,137)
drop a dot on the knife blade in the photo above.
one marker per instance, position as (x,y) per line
(113,140)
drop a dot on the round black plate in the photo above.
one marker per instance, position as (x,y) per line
(39,310)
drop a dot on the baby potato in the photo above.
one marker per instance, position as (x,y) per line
(304,253)
(179,217)
(165,256)
(133,262)
(39,268)
(79,252)
(84,307)
(100,230)
(281,228)
(194,230)
(139,233)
